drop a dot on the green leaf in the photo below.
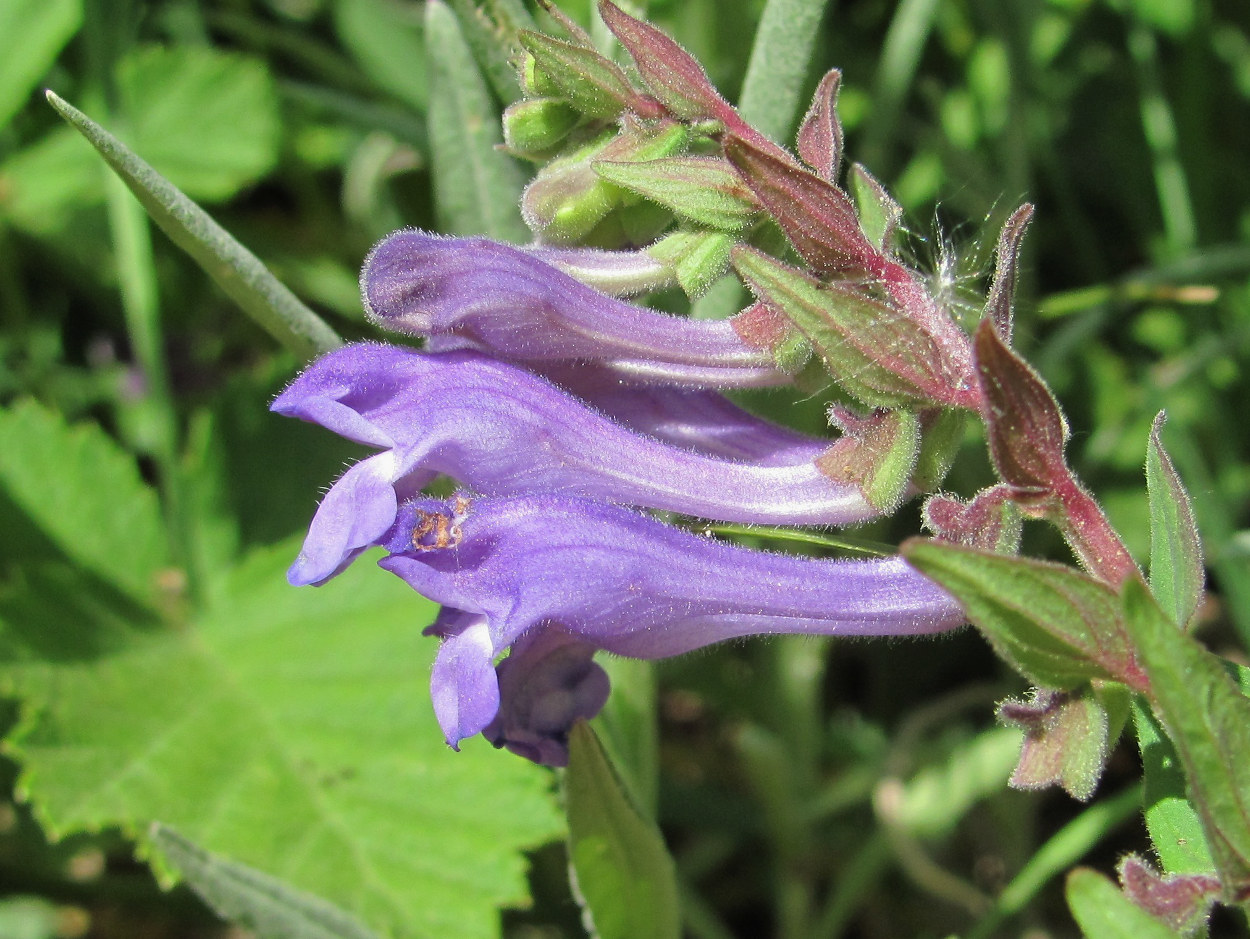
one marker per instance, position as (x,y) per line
(1176,574)
(42,184)
(773,87)
(1174,826)
(477,187)
(246,897)
(705,190)
(697,258)
(231,266)
(491,27)
(1103,912)
(29,918)
(107,523)
(1208,719)
(205,120)
(387,40)
(879,214)
(594,85)
(624,873)
(629,730)
(288,730)
(32,32)
(1059,627)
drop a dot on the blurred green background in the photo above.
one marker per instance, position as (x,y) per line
(302,125)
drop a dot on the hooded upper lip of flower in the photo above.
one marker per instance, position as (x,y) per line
(500,430)
(477,293)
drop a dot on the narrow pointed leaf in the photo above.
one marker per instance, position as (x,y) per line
(876,354)
(257,901)
(879,214)
(476,185)
(594,85)
(1103,912)
(777,69)
(1026,429)
(1176,573)
(626,878)
(1059,627)
(820,134)
(1208,719)
(705,190)
(815,214)
(234,269)
(998,305)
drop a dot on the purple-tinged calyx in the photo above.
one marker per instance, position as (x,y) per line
(479,294)
(511,570)
(501,430)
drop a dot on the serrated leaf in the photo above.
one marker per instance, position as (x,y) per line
(32,32)
(205,120)
(1208,720)
(1174,826)
(1103,912)
(289,730)
(624,874)
(705,190)
(108,522)
(1059,627)
(877,354)
(1176,573)
(231,266)
(477,186)
(246,897)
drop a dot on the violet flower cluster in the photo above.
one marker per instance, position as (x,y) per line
(564,412)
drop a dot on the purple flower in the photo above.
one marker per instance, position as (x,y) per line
(501,430)
(480,294)
(555,578)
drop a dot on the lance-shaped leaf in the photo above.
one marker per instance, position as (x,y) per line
(1066,738)
(594,85)
(1183,901)
(1208,719)
(1059,627)
(1026,429)
(875,453)
(1174,825)
(232,267)
(697,258)
(873,351)
(1103,912)
(480,294)
(820,134)
(537,124)
(625,877)
(1176,574)
(815,214)
(705,190)
(998,305)
(988,520)
(671,73)
(879,214)
(567,199)
(501,430)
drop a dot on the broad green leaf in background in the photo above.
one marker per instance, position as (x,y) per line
(254,900)
(42,184)
(1103,912)
(289,730)
(231,266)
(29,918)
(32,32)
(1059,627)
(623,872)
(107,523)
(773,87)
(1176,575)
(1208,719)
(477,187)
(206,120)
(386,39)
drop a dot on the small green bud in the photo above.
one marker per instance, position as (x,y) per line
(537,124)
